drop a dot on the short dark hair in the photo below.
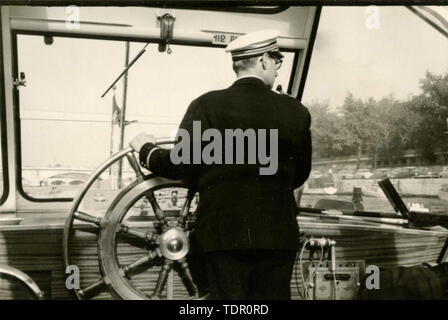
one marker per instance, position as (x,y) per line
(244,64)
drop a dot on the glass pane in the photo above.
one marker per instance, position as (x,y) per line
(68,129)
(377,90)
(65,124)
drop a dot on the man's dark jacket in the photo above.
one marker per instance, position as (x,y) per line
(238,207)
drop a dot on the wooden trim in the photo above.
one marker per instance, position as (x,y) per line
(380,228)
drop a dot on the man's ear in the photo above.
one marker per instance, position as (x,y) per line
(264,61)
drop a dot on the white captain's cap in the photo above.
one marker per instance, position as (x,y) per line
(254,44)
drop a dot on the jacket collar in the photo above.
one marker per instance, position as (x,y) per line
(250,80)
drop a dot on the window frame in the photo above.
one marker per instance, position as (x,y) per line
(309,53)
(16,95)
(3,129)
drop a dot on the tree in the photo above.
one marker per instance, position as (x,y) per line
(431,110)
(386,127)
(398,121)
(327,132)
(362,128)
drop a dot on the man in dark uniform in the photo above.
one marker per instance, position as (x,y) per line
(246,221)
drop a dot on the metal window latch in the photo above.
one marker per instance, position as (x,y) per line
(20,83)
(166,32)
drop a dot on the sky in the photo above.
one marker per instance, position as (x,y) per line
(65,80)
(350,57)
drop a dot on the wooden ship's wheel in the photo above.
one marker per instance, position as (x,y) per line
(135,254)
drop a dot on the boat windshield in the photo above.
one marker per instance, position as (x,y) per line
(377,90)
(66,77)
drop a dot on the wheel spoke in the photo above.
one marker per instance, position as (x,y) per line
(170,285)
(140,261)
(79,215)
(186,208)
(159,213)
(93,290)
(135,166)
(187,277)
(161,280)
(133,232)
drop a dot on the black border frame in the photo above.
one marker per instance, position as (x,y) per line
(3,129)
(16,96)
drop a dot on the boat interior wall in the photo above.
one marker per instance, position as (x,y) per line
(37,252)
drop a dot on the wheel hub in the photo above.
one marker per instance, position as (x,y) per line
(173,243)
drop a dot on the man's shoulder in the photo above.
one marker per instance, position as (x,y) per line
(288,101)
(210,99)
(213,98)
(213,94)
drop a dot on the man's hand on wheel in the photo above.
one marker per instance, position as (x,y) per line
(138,142)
